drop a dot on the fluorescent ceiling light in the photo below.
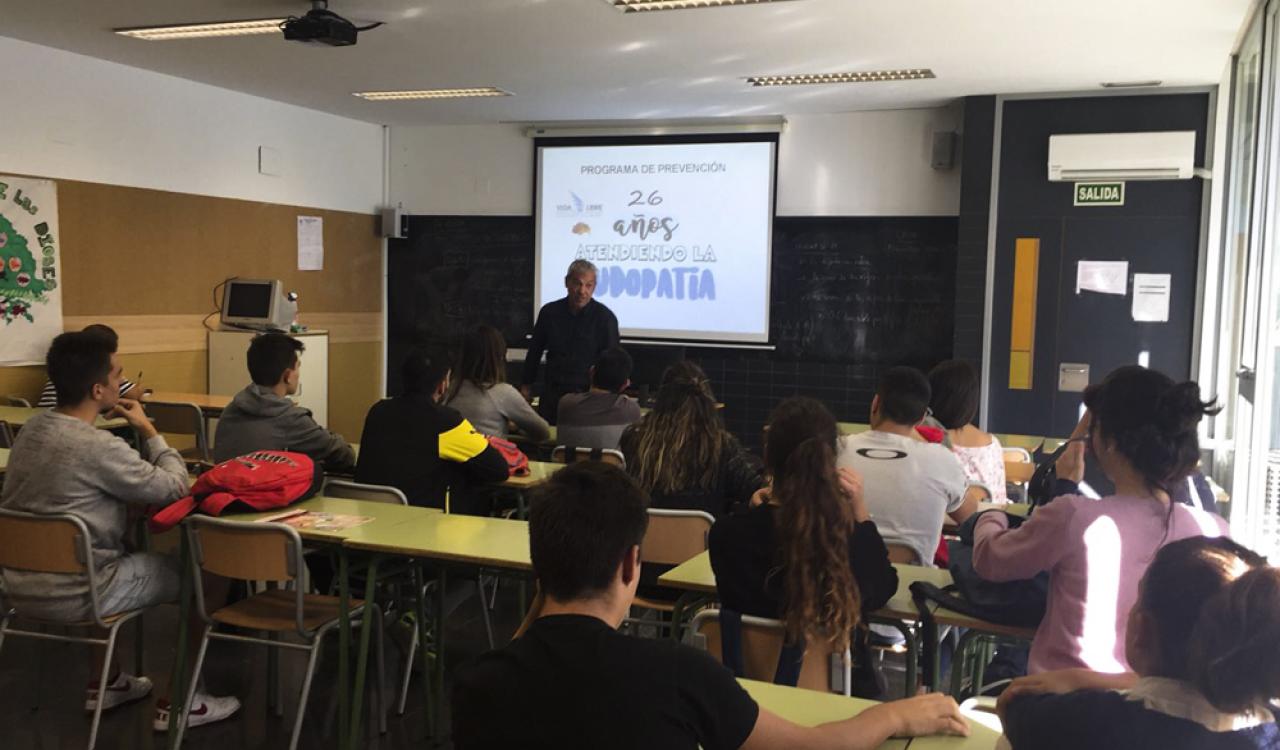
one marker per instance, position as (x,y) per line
(637,6)
(386,96)
(869,76)
(1129,84)
(202,30)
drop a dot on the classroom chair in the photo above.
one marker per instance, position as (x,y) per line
(560,454)
(182,419)
(6,435)
(59,543)
(673,537)
(1016,486)
(248,551)
(761,645)
(17,401)
(903,555)
(378,493)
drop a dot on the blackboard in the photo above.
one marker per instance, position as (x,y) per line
(864,290)
(857,290)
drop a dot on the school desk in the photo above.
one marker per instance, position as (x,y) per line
(210,404)
(810,708)
(984,734)
(17,416)
(539,471)
(4,460)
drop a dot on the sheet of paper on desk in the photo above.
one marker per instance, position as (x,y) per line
(326,521)
(310,243)
(1103,276)
(1151,292)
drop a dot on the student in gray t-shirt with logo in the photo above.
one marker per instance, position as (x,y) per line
(909,485)
(597,418)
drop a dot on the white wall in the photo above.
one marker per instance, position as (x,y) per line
(80,118)
(854,164)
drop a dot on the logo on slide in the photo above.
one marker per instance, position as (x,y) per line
(582,228)
(577,207)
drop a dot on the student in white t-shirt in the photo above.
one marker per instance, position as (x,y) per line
(909,485)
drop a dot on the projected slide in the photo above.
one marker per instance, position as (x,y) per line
(681,234)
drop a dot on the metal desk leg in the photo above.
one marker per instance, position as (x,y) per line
(420,603)
(958,658)
(178,678)
(437,674)
(344,648)
(368,623)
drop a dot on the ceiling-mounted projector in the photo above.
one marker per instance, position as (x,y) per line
(322,26)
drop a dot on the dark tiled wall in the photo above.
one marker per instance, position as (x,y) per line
(977,143)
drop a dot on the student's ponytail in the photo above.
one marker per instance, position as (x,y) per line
(822,601)
(1234,657)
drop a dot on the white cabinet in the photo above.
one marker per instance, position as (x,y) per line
(229,368)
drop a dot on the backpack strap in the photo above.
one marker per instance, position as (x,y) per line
(172,514)
(790,660)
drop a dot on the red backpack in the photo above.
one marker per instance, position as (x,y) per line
(263,480)
(517,461)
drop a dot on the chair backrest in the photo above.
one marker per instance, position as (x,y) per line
(675,536)
(49,543)
(378,493)
(181,419)
(6,435)
(901,553)
(1020,455)
(17,401)
(559,455)
(762,641)
(245,551)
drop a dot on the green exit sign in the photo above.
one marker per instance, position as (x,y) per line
(1099,193)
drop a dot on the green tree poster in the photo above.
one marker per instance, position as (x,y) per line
(30,268)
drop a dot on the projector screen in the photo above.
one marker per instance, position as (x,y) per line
(681,232)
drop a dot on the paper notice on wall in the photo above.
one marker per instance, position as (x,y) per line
(1151,292)
(1103,276)
(310,243)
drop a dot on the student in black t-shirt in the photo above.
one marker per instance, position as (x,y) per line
(413,443)
(808,553)
(1202,639)
(570,680)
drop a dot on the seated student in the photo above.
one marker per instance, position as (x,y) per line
(808,554)
(570,679)
(413,443)
(954,402)
(49,394)
(482,395)
(596,419)
(1202,640)
(682,455)
(261,417)
(61,463)
(909,485)
(1143,433)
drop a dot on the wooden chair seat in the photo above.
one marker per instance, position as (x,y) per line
(107,620)
(273,611)
(658,604)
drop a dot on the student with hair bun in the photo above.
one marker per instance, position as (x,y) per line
(1202,640)
(1143,434)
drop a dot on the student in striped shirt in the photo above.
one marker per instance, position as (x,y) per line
(49,396)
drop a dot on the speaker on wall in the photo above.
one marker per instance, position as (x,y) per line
(944,149)
(392,223)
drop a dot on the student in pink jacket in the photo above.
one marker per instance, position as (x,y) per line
(1143,433)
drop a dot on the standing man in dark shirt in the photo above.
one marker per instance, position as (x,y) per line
(572,331)
(570,679)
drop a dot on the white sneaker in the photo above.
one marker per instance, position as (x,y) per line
(205,709)
(124,689)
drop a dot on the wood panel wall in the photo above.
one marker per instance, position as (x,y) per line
(146,261)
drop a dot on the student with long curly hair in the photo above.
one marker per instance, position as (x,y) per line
(809,554)
(682,455)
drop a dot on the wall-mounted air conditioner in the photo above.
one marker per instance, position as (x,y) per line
(1166,155)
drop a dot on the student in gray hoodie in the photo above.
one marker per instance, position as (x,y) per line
(261,417)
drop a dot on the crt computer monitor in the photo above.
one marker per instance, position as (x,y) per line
(259,304)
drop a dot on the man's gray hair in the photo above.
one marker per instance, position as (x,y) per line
(581,266)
